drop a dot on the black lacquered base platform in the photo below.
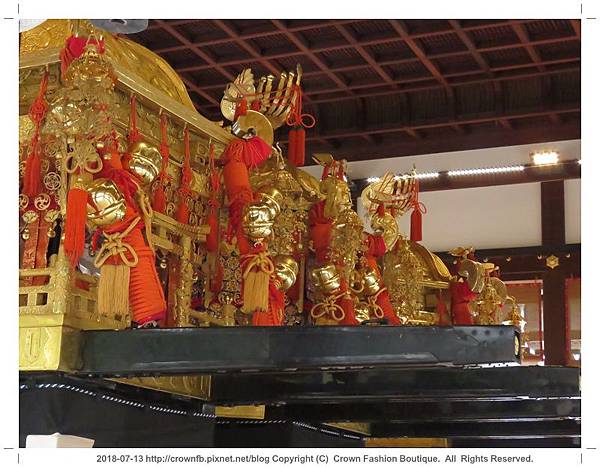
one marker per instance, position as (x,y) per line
(468,407)
(264,349)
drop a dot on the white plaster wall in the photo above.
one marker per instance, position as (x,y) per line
(488,217)
(573,210)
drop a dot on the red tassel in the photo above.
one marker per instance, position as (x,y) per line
(347,305)
(159,200)
(292,137)
(32,176)
(37,112)
(416,225)
(300,147)
(442,311)
(183,211)
(381,210)
(255,152)
(255,105)
(416,218)
(212,239)
(216,283)
(75,224)
(383,300)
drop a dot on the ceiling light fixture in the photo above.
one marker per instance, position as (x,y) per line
(486,170)
(544,157)
(419,176)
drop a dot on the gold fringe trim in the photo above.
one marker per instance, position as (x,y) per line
(257,272)
(113,290)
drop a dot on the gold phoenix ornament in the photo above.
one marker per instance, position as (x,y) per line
(275,100)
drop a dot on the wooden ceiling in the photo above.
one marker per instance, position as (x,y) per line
(383,88)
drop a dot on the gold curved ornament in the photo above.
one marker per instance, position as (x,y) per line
(393,191)
(253,123)
(387,227)
(243,85)
(42,201)
(286,270)
(52,181)
(500,288)
(23,201)
(474,274)
(83,158)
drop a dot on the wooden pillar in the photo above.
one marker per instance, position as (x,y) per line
(553,235)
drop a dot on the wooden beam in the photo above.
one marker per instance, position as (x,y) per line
(402,31)
(396,145)
(523,36)
(576,25)
(553,235)
(294,39)
(439,124)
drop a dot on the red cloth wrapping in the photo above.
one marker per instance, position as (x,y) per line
(347,305)
(375,246)
(461,296)
(146,297)
(383,300)
(273,317)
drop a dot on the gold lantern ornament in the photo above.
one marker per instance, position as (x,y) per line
(258,218)
(106,205)
(145,161)
(286,271)
(326,278)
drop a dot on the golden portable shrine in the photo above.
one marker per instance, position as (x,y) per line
(138,212)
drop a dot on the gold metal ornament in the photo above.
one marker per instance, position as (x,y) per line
(552,261)
(286,270)
(106,204)
(243,85)
(83,157)
(371,282)
(273,198)
(257,221)
(474,273)
(275,99)
(51,215)
(145,161)
(362,312)
(326,278)
(90,69)
(30,216)
(500,288)
(387,227)
(253,124)
(393,191)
